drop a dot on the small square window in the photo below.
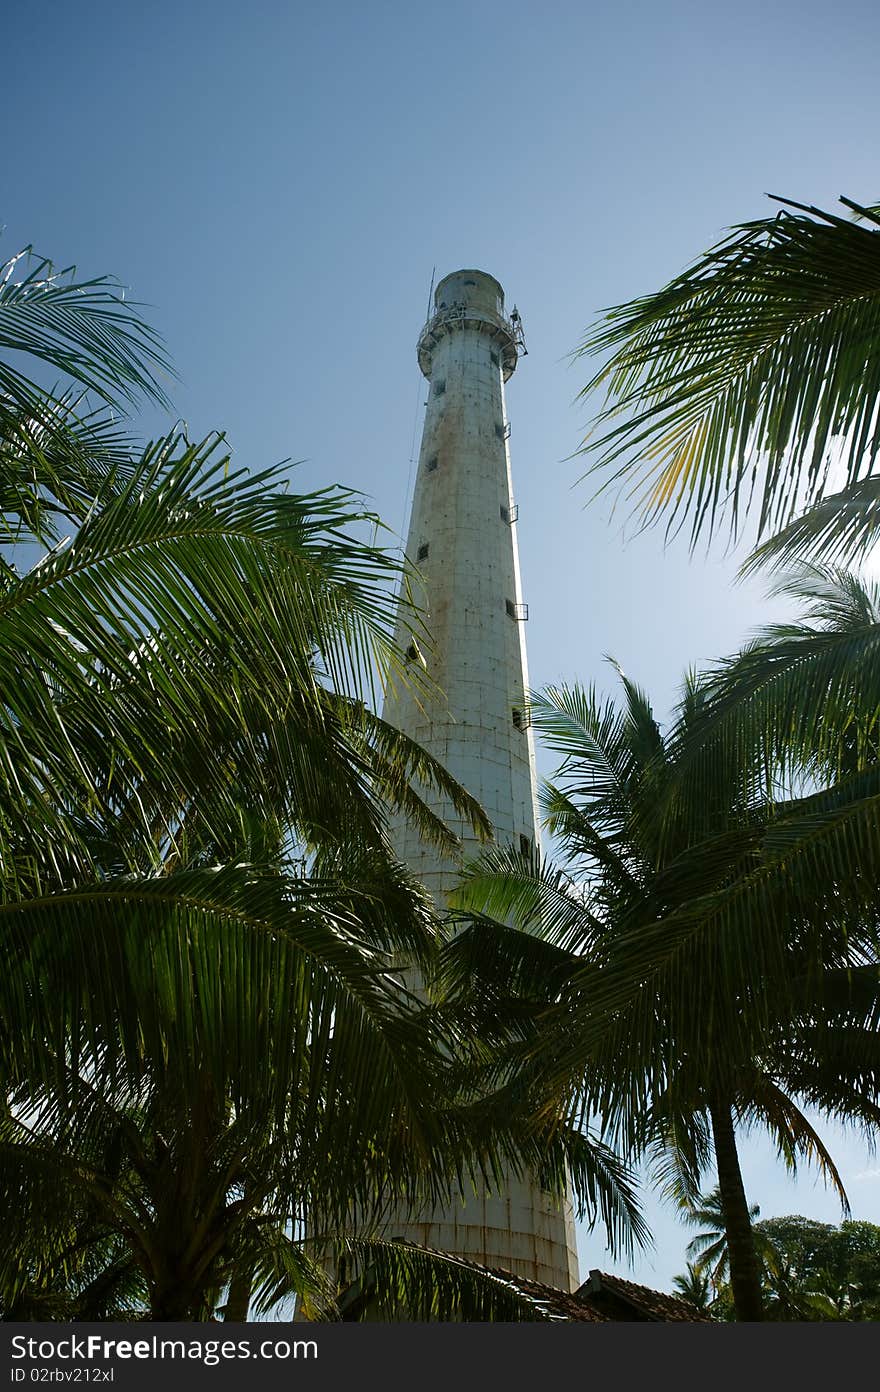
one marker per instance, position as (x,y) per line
(518,716)
(496,361)
(439,388)
(432,463)
(423,551)
(499,431)
(505,513)
(525,845)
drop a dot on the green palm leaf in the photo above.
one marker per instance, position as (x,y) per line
(764,354)
(401,1281)
(840,529)
(86,329)
(717,962)
(183,634)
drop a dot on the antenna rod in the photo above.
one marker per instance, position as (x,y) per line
(430,293)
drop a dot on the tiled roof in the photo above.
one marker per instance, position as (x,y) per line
(555,1304)
(647,1304)
(603,1299)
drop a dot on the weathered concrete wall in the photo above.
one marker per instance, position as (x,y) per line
(461,508)
(474,288)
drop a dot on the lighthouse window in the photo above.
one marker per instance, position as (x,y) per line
(439,388)
(516,611)
(499,431)
(423,551)
(432,463)
(496,361)
(518,717)
(469,282)
(525,845)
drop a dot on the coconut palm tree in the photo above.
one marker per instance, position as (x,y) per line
(183,696)
(709,1248)
(205,1032)
(676,980)
(60,446)
(760,362)
(182,1210)
(694,1286)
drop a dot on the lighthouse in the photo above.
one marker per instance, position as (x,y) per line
(475,719)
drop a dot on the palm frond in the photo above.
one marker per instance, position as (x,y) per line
(680,1152)
(86,329)
(583,730)
(506,883)
(794,1134)
(763,355)
(841,529)
(803,697)
(164,970)
(402,1282)
(158,595)
(604,1187)
(54,462)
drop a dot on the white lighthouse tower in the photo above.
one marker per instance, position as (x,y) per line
(462,537)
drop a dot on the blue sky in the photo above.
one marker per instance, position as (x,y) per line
(279,181)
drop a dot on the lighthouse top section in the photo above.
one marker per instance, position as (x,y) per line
(472,300)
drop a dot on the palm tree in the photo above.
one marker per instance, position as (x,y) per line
(205,1032)
(678,969)
(764,354)
(183,695)
(694,1286)
(56,449)
(709,1247)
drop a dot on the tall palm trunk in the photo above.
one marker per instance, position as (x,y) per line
(239,1298)
(745,1272)
(173,1303)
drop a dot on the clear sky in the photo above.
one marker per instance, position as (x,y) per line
(278,182)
